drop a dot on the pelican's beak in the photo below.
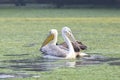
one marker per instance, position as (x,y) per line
(71,37)
(48,39)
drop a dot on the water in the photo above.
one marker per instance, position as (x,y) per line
(17,75)
(39,64)
(6,76)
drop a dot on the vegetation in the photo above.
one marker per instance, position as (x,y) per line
(22,31)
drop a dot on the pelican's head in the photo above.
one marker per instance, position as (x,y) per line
(67,31)
(51,38)
(73,40)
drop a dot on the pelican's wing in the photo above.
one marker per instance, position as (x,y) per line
(81,45)
(54,50)
(63,46)
(76,45)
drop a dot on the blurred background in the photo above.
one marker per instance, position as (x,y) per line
(63,3)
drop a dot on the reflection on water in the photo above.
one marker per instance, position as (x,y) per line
(6,76)
(41,64)
(115,63)
(17,75)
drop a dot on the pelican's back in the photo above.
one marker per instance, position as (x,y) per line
(54,50)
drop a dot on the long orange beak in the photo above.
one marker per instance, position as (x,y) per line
(48,39)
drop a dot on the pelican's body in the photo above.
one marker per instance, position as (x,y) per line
(78,46)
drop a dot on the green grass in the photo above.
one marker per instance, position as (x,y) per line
(99,29)
(41,12)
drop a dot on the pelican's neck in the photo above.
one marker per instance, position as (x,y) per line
(71,53)
(54,41)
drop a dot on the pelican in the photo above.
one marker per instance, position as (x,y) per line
(77,45)
(50,48)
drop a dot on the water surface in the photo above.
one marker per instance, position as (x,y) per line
(41,64)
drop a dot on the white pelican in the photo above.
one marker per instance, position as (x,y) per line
(77,45)
(50,48)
